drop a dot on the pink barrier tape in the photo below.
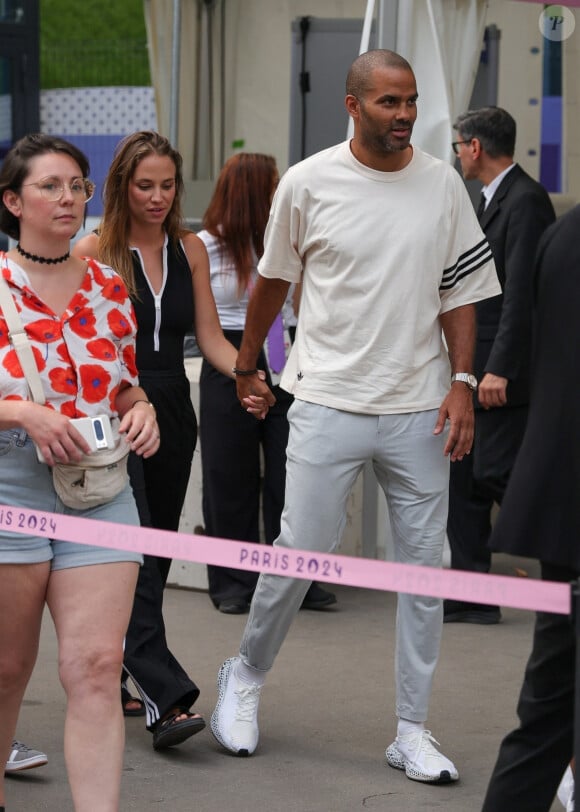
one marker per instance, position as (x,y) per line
(503,590)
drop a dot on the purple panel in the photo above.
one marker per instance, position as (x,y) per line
(550,163)
(552,120)
(99,150)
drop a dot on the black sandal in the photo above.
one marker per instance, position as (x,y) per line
(168,732)
(126,698)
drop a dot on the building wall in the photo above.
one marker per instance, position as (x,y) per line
(520,75)
(95,119)
(257,108)
(571,93)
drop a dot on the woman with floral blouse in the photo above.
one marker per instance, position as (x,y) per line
(79,321)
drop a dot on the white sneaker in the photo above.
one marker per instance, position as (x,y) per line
(414,753)
(234,721)
(23,758)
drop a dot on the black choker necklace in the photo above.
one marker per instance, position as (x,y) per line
(42,260)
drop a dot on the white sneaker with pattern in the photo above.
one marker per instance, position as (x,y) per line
(414,752)
(234,721)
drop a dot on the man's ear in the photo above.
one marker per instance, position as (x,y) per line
(352,105)
(475,147)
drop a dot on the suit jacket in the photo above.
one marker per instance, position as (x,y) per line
(540,513)
(513,222)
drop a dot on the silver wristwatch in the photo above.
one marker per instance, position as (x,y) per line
(467,378)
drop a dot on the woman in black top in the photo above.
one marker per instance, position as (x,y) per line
(166,272)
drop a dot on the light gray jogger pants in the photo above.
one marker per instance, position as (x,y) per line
(326,451)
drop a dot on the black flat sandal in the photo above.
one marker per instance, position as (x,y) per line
(168,732)
(125,699)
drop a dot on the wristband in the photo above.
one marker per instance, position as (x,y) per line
(243,372)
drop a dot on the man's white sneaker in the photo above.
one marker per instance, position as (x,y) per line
(24,758)
(234,721)
(414,753)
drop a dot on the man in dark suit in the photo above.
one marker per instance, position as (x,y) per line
(513,213)
(540,518)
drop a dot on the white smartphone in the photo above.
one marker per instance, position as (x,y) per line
(96,431)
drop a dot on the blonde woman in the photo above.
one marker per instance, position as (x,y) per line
(165,268)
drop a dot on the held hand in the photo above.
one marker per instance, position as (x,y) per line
(254,394)
(492,391)
(458,409)
(139,425)
(54,434)
(256,406)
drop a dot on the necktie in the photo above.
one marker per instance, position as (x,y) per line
(481,207)
(275,345)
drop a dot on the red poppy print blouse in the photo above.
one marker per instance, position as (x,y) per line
(83,356)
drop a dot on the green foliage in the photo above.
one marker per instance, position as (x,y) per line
(98,19)
(93,43)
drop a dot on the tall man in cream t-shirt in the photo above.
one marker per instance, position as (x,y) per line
(387,245)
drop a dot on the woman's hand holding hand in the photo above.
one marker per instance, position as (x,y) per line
(256,406)
(254,394)
(259,405)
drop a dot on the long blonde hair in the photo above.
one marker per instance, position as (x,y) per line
(114,247)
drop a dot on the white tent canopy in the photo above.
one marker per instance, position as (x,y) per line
(442,39)
(229,68)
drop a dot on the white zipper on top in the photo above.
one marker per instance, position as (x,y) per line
(156,296)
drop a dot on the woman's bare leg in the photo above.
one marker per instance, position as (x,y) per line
(91,607)
(22,594)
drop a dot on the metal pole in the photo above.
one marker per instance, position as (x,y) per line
(492,36)
(209,5)
(222,133)
(576,619)
(387,24)
(175,60)
(197,96)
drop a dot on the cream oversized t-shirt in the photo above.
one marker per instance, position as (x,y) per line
(381,255)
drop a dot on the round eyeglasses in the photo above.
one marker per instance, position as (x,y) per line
(52,189)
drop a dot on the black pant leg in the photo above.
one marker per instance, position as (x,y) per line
(162,682)
(159,485)
(498,437)
(275,431)
(469,520)
(167,472)
(533,758)
(230,453)
(478,481)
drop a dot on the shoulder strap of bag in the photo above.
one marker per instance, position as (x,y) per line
(20,342)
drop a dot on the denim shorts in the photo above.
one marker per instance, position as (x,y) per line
(25,482)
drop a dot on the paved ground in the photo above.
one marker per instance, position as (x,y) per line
(326,716)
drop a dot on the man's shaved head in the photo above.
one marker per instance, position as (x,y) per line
(358,79)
